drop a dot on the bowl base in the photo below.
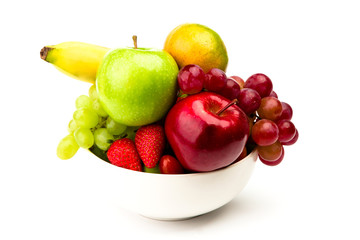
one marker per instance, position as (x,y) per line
(169,219)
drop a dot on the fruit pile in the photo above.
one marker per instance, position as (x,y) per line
(171,111)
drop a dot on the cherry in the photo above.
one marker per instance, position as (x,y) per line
(170,165)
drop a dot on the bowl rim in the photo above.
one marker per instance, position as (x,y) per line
(232,165)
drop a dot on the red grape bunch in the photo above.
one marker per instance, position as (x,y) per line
(270,119)
(272,128)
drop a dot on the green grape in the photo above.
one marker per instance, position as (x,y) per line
(103,138)
(72,126)
(84,137)
(155,169)
(99,153)
(85,118)
(130,132)
(67,147)
(93,93)
(83,101)
(96,105)
(113,127)
(101,122)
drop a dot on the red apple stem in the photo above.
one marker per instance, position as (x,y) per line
(226,107)
(134,37)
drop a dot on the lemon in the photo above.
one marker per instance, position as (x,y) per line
(192,43)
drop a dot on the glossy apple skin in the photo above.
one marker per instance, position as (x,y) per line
(203,141)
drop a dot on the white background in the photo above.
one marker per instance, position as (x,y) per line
(310,50)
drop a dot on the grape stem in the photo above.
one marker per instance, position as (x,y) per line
(134,37)
(226,107)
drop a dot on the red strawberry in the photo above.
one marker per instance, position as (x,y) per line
(150,144)
(122,153)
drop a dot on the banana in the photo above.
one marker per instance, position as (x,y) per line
(76,59)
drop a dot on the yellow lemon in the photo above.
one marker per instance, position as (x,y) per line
(192,43)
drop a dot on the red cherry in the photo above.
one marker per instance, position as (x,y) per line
(170,165)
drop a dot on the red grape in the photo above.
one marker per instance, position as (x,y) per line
(265,132)
(261,83)
(273,94)
(270,108)
(191,79)
(231,89)
(239,80)
(287,130)
(287,112)
(249,100)
(251,124)
(215,80)
(293,140)
(271,152)
(170,165)
(273,163)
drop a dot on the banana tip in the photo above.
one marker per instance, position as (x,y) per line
(43,52)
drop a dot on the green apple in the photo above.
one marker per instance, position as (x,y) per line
(137,86)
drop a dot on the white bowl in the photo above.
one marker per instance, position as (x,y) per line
(175,196)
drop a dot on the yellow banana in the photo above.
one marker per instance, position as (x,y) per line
(76,59)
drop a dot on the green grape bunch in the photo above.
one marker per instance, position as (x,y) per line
(91,128)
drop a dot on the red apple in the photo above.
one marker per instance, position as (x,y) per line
(206,131)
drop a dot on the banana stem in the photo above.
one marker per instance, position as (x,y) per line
(44,52)
(135,41)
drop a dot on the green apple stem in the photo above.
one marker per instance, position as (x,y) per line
(226,107)
(135,41)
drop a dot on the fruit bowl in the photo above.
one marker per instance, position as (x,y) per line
(172,196)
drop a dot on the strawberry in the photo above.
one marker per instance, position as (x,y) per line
(122,153)
(150,144)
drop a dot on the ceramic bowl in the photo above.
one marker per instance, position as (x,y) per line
(173,196)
